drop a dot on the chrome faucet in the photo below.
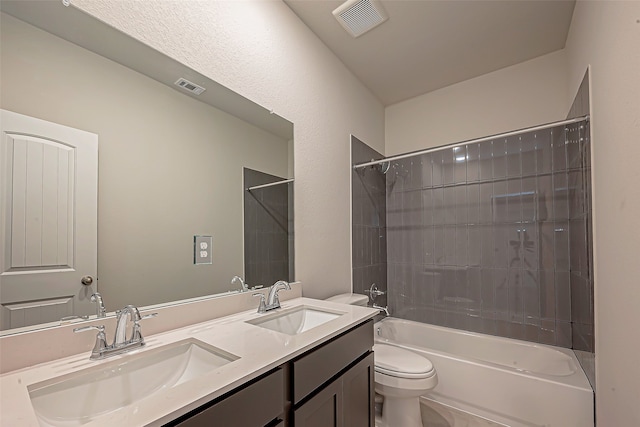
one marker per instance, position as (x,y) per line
(384,309)
(120,342)
(120,337)
(243,286)
(100,310)
(272,301)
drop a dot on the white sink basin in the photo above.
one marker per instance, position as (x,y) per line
(78,398)
(296,321)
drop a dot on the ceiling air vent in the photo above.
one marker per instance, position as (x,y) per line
(360,16)
(190,86)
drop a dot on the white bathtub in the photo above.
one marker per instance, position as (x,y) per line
(516,383)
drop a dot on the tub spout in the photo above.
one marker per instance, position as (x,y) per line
(384,310)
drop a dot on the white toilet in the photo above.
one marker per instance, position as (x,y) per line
(401,377)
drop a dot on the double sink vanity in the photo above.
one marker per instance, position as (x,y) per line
(307,360)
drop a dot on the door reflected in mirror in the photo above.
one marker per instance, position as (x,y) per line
(171,165)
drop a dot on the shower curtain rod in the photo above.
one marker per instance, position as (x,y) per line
(271,184)
(472,141)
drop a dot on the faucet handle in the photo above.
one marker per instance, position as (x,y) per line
(263,306)
(148,316)
(99,328)
(136,334)
(101,340)
(68,319)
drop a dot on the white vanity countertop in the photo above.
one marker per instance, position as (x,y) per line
(259,349)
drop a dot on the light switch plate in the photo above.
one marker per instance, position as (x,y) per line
(202,250)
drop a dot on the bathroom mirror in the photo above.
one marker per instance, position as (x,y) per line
(171,164)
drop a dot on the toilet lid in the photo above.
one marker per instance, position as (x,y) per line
(399,362)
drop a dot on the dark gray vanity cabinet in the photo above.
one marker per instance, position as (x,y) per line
(258,404)
(329,385)
(333,385)
(345,402)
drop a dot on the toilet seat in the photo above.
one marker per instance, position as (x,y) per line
(401,363)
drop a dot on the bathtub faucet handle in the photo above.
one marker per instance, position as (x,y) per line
(374,292)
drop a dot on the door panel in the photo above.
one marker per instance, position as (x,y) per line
(42,176)
(48,196)
(322,410)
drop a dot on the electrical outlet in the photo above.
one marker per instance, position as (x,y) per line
(202,250)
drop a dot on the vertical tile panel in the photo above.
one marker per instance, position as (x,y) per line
(439,245)
(531,296)
(513,147)
(428,243)
(426,169)
(473,162)
(473,203)
(450,212)
(499,202)
(501,290)
(450,245)
(485,208)
(486,160)
(500,245)
(561,245)
(545,198)
(514,200)
(487,290)
(563,296)
(427,207)
(528,199)
(461,210)
(462,245)
(559,137)
(487,250)
(437,199)
(436,165)
(530,246)
(499,158)
(460,165)
(515,286)
(448,165)
(544,150)
(528,154)
(560,196)
(515,253)
(474,245)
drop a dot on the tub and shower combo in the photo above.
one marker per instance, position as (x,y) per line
(511,382)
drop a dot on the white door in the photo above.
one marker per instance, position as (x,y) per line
(48,220)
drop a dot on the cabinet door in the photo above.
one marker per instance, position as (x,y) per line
(357,394)
(322,410)
(255,405)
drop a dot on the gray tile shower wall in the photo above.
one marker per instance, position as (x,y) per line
(369,221)
(267,230)
(484,237)
(580,216)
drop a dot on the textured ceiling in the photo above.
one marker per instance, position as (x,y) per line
(426,45)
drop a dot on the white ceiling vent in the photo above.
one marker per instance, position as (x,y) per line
(360,16)
(190,86)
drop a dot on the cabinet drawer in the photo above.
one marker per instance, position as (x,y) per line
(257,404)
(314,369)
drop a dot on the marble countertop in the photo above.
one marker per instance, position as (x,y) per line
(259,350)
